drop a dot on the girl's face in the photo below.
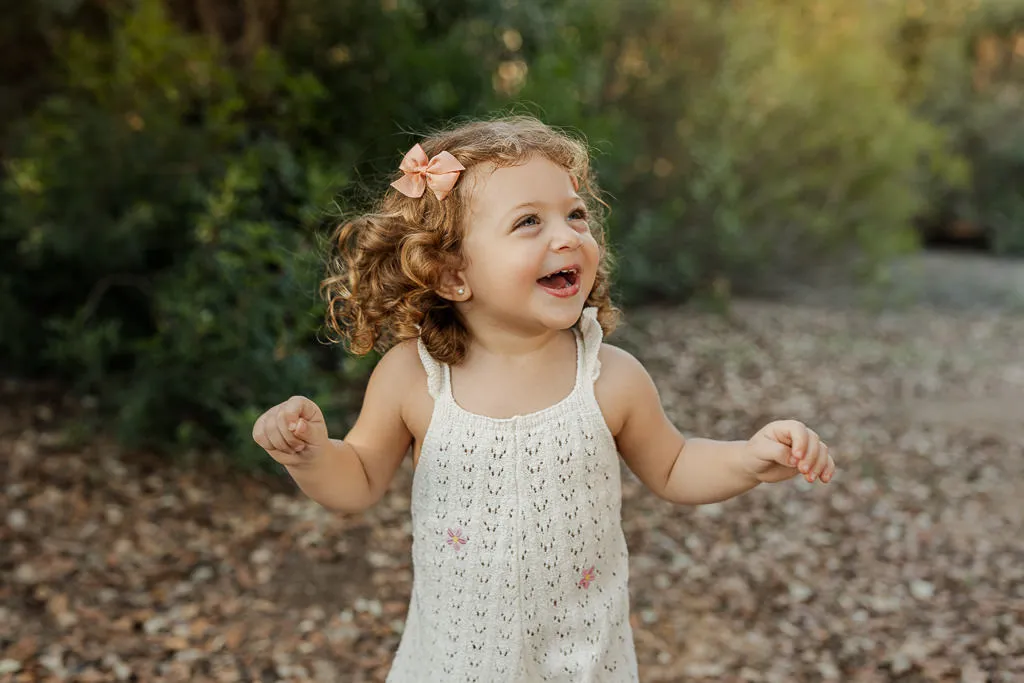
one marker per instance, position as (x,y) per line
(531,260)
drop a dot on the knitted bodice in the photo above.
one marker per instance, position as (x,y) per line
(520,566)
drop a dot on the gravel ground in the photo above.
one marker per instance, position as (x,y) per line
(908,567)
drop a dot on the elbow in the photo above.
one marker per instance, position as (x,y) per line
(348,506)
(345,509)
(680,498)
(665,493)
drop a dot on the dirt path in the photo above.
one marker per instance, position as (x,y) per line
(947,279)
(909,567)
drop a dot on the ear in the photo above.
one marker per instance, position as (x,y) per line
(454,286)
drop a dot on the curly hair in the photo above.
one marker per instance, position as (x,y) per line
(386,265)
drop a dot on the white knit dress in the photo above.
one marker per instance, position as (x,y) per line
(519,561)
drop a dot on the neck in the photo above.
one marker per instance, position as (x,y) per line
(509,342)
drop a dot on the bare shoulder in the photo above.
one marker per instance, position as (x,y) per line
(401,363)
(401,374)
(622,379)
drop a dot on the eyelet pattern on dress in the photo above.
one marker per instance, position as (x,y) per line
(519,560)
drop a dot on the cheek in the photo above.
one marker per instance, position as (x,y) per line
(593,256)
(591,249)
(504,267)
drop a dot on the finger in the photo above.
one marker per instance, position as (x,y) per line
(822,462)
(810,460)
(781,454)
(302,407)
(284,426)
(798,438)
(287,459)
(830,470)
(257,431)
(275,437)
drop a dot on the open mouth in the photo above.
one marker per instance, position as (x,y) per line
(562,282)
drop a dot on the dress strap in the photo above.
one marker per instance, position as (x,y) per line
(435,372)
(592,335)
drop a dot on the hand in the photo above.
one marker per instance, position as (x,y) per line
(293,432)
(785,448)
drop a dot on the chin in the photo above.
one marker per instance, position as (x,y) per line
(565,315)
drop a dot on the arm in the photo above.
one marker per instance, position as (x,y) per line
(707,471)
(347,475)
(694,471)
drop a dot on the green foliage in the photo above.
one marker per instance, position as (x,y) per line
(168,239)
(748,139)
(968,69)
(165,193)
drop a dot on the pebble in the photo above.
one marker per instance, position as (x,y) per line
(202,573)
(996,646)
(344,633)
(25,573)
(53,661)
(114,515)
(261,556)
(9,666)
(885,604)
(828,671)
(325,672)
(120,670)
(17,520)
(154,625)
(901,663)
(372,606)
(704,670)
(800,592)
(922,590)
(379,560)
(711,510)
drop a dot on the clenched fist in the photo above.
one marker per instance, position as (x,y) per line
(293,432)
(786,448)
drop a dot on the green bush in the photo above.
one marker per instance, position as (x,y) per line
(164,237)
(163,202)
(968,75)
(750,141)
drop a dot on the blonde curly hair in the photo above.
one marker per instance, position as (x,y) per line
(386,265)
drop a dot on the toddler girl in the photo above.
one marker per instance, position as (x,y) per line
(483,274)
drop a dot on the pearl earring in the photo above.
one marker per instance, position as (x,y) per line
(461,291)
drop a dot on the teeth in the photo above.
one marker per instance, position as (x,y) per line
(564,271)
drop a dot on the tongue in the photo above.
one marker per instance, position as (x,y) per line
(556,281)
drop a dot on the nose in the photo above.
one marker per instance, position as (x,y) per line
(565,238)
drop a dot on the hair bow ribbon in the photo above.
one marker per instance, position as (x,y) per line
(438,173)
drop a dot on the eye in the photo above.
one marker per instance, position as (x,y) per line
(527,222)
(579,214)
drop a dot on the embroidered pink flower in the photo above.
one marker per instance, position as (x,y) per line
(589,576)
(456,539)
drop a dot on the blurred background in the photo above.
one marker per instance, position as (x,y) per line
(781,176)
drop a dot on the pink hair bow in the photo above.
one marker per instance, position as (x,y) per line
(439,173)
